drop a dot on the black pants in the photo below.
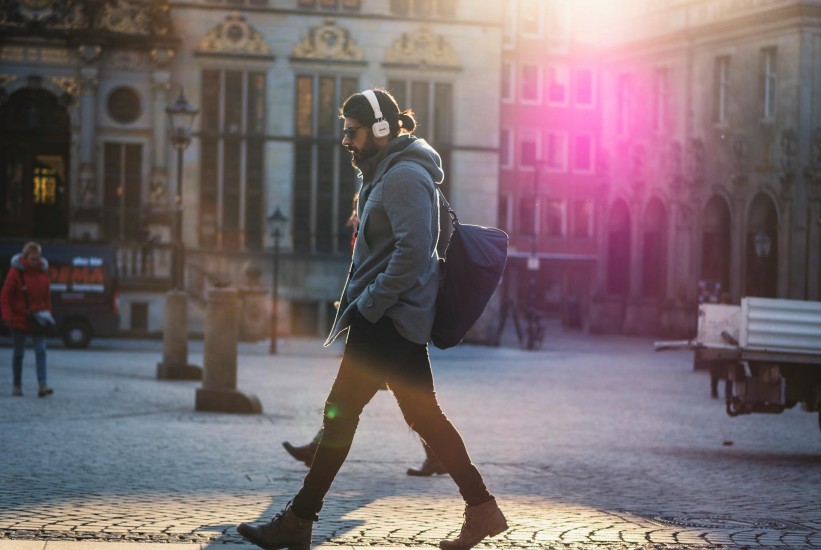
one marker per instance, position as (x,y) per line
(376,354)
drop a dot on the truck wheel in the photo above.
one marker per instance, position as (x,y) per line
(76,334)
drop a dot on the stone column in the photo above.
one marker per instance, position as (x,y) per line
(219,382)
(89,72)
(174,365)
(158,197)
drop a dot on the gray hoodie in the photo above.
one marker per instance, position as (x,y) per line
(395,266)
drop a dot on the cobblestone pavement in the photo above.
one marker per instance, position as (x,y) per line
(592,442)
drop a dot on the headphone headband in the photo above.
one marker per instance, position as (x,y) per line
(380,128)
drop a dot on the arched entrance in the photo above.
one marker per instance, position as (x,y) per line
(34,155)
(654,250)
(762,262)
(716,244)
(618,249)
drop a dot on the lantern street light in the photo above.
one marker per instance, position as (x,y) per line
(276,224)
(762,243)
(181,117)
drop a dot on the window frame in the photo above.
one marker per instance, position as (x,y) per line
(537,80)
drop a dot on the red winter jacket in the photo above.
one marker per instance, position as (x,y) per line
(12,303)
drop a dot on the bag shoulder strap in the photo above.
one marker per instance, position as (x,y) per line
(453,218)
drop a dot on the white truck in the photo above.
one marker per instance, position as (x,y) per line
(768,349)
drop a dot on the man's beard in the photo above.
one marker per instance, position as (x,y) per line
(358,156)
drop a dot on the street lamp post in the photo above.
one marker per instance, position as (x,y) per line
(181,117)
(276,224)
(762,243)
(174,365)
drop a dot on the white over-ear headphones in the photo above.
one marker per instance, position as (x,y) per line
(380,128)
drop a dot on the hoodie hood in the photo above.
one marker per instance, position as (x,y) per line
(17,263)
(404,147)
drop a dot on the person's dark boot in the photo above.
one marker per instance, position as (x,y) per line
(303,454)
(286,530)
(44,391)
(429,467)
(482,520)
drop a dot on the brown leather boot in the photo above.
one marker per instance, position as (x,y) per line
(482,520)
(286,530)
(429,467)
(303,454)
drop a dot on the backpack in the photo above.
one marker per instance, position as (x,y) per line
(469,274)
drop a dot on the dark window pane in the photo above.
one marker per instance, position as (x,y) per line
(233,102)
(255,169)
(112,193)
(208,193)
(325,198)
(132,211)
(443,113)
(304,105)
(302,198)
(210,101)
(347,188)
(420,102)
(230,195)
(527,215)
(348,88)
(256,103)
(328,108)
(397,88)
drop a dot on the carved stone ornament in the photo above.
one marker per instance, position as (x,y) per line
(674,163)
(69,84)
(235,36)
(740,159)
(695,160)
(162,57)
(125,17)
(423,49)
(89,52)
(789,151)
(328,42)
(158,188)
(46,13)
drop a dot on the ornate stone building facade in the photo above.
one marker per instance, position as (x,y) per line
(85,86)
(712,123)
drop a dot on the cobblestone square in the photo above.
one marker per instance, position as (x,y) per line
(592,442)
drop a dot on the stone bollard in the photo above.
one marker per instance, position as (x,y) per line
(219,382)
(174,365)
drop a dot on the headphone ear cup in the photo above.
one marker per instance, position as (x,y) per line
(381,128)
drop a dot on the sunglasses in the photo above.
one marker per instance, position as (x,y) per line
(350,131)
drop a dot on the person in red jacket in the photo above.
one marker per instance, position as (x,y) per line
(31,268)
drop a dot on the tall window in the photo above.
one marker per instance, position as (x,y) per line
(661,98)
(530,86)
(769,81)
(555,218)
(721,89)
(557,151)
(508,81)
(232,159)
(528,148)
(558,81)
(324,181)
(122,181)
(583,153)
(585,90)
(527,215)
(583,218)
(625,99)
(509,30)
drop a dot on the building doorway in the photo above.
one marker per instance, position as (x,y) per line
(34,156)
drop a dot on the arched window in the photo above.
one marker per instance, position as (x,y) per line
(762,261)
(715,243)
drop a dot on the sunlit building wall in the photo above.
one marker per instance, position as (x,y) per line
(712,134)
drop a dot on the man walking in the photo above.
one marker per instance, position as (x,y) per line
(387,306)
